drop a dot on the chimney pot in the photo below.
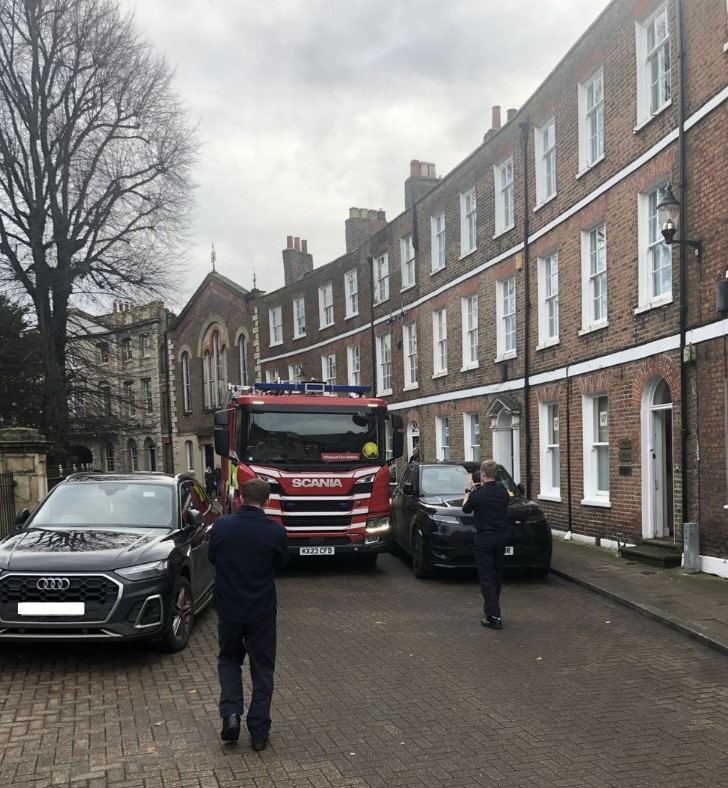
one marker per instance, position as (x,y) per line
(304,246)
(297,244)
(511,114)
(496,121)
(289,242)
(415,168)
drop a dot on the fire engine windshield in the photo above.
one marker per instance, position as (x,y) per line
(308,437)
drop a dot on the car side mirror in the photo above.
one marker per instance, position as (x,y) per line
(521,489)
(192,518)
(21,518)
(407,488)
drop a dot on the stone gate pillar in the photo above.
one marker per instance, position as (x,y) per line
(23,452)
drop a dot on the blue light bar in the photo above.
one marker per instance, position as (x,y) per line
(311,387)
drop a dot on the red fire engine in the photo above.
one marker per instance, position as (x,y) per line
(323,450)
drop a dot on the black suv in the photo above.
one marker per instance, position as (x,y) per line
(109,556)
(429,525)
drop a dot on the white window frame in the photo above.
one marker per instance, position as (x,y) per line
(594,277)
(469,313)
(384,364)
(545,153)
(243,359)
(591,120)
(299,317)
(295,372)
(595,449)
(328,368)
(186,384)
(272,376)
(381,279)
(442,438)
(548,300)
(326,305)
(438,257)
(439,343)
(147,395)
(549,451)
(505,216)
(409,351)
(145,346)
(468,222)
(651,244)
(353,365)
(506,323)
(407,262)
(190,455)
(275,326)
(471,436)
(651,68)
(127,349)
(351,288)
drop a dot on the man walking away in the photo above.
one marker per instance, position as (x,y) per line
(246,549)
(489,501)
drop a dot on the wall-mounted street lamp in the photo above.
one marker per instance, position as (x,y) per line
(668,216)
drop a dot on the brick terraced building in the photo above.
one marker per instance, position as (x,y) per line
(526,305)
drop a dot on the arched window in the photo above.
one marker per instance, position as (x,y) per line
(151,452)
(133,455)
(243,358)
(215,371)
(186,383)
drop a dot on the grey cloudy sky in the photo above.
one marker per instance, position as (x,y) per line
(309,107)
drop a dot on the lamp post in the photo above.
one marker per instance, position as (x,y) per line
(668,217)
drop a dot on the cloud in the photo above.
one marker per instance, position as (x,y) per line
(309,107)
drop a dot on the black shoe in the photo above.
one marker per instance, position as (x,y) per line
(230,728)
(492,622)
(259,744)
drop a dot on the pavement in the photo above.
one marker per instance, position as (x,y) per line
(695,605)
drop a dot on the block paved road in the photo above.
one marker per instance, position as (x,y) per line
(384,680)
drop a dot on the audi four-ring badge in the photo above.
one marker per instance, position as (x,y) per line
(109,557)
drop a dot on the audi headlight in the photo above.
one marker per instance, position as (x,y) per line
(144,571)
(445,519)
(377,525)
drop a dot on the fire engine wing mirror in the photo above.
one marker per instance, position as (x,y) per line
(397,435)
(192,519)
(222,439)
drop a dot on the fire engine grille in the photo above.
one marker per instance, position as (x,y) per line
(316,506)
(316,521)
(98,593)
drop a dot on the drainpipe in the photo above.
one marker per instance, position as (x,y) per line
(568,448)
(370,260)
(169,404)
(681,247)
(525,128)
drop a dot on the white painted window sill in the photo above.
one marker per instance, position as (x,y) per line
(656,304)
(549,497)
(467,253)
(353,314)
(545,202)
(434,271)
(646,121)
(407,287)
(505,356)
(441,374)
(328,325)
(725,49)
(468,367)
(503,231)
(411,387)
(548,343)
(275,344)
(589,167)
(592,329)
(602,503)
(299,336)
(384,393)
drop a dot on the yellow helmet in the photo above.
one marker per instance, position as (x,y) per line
(370,450)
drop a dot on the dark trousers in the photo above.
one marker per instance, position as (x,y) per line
(258,641)
(489,558)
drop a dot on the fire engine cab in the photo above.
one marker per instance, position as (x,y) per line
(325,450)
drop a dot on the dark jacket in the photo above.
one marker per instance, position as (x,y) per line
(489,505)
(246,548)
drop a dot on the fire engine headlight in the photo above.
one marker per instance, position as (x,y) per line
(377,525)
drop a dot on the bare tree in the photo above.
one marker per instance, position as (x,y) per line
(95,167)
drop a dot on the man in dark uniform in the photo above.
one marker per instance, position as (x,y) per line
(489,501)
(246,549)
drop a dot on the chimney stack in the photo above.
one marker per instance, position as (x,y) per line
(361,225)
(496,118)
(423,177)
(297,262)
(511,114)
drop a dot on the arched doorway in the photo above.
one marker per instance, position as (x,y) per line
(151,453)
(657,462)
(413,437)
(505,433)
